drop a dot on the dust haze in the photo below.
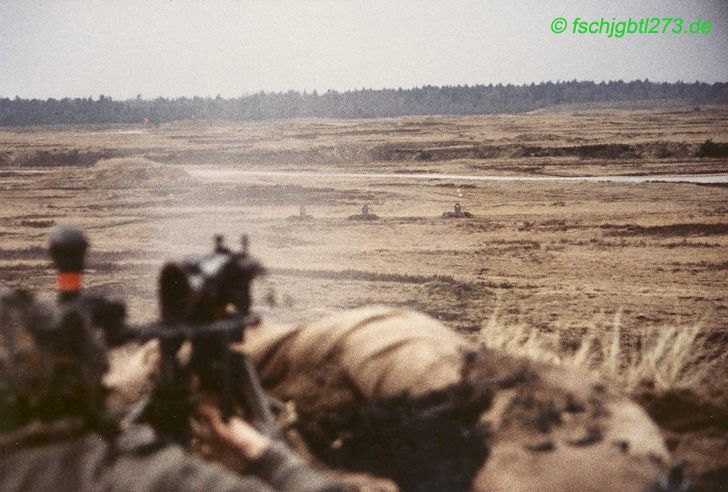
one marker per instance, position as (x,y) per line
(528,214)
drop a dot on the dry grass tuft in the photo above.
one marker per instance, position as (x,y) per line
(663,359)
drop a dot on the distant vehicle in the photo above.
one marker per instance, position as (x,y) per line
(364,215)
(301,217)
(457,214)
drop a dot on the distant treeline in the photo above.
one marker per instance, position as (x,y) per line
(364,103)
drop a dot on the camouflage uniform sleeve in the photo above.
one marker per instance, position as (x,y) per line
(286,472)
(87,464)
(171,469)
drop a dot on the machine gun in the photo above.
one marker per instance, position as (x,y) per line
(205,301)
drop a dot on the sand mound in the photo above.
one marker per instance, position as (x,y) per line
(363,217)
(137,172)
(453,215)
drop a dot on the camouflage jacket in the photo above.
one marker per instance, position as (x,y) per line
(88,462)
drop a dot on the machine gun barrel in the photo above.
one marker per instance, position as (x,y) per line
(231,329)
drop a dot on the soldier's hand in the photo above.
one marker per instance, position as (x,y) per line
(233,439)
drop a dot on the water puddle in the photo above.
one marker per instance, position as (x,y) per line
(227,174)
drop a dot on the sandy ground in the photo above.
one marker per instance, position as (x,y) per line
(558,256)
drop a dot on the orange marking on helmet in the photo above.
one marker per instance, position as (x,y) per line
(69,281)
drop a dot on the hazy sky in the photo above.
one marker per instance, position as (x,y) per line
(172,48)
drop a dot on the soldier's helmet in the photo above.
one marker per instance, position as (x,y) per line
(51,362)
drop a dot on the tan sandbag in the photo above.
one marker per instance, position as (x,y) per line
(563,431)
(551,428)
(381,351)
